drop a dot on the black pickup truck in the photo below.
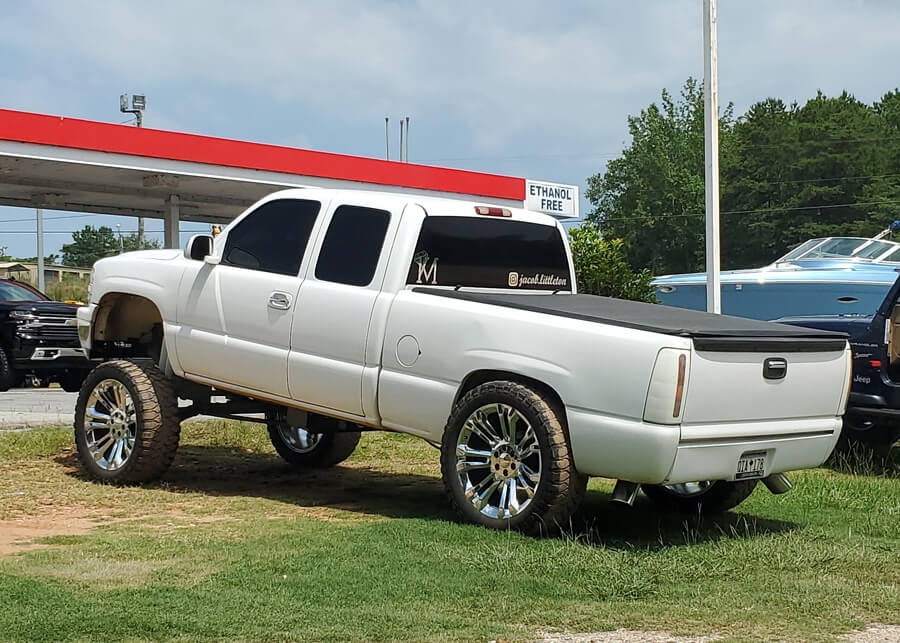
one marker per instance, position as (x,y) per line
(38,337)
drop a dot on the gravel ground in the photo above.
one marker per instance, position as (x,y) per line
(623,636)
(874,633)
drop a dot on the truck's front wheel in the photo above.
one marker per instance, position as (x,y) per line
(506,463)
(306,449)
(126,423)
(708,496)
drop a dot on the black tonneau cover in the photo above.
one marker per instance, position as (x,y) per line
(709,332)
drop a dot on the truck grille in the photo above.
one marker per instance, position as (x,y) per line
(56,328)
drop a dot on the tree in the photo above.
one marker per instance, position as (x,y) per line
(789,173)
(652,197)
(130,242)
(90,244)
(601,268)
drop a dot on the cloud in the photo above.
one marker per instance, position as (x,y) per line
(527,88)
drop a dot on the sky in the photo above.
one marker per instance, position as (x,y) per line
(524,88)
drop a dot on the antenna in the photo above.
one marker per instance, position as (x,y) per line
(407,139)
(387,140)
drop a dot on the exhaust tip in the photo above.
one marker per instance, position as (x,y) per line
(778,483)
(625,492)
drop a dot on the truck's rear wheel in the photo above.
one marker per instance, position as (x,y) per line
(306,449)
(126,423)
(506,463)
(707,496)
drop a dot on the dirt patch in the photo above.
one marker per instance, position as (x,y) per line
(874,633)
(623,636)
(19,535)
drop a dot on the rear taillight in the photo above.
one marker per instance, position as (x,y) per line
(492,212)
(665,396)
(679,387)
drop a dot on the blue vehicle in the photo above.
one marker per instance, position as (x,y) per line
(847,284)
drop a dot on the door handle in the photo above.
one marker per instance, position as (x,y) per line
(280,300)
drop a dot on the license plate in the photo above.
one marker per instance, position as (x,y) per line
(751,465)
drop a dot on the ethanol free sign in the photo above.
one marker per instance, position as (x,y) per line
(552,198)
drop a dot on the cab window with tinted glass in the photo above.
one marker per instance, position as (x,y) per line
(352,245)
(489,253)
(272,238)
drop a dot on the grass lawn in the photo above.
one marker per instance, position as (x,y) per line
(232,544)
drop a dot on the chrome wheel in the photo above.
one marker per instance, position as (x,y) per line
(498,460)
(297,439)
(689,489)
(110,424)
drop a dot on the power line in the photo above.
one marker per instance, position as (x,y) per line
(756,211)
(66,216)
(2,232)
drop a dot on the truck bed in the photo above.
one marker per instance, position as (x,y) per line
(709,332)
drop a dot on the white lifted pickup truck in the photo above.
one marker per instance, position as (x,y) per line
(333,312)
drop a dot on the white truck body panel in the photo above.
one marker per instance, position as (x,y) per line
(390,356)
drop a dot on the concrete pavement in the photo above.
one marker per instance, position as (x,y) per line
(23,408)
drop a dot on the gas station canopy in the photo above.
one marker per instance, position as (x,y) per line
(87,166)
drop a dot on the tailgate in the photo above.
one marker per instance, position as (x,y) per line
(766,378)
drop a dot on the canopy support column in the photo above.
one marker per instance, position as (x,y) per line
(171,220)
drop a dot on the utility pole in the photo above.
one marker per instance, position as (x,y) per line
(138,105)
(711,152)
(121,242)
(387,139)
(40,250)
(407,139)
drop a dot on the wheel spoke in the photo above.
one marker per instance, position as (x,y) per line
(504,501)
(529,491)
(94,414)
(483,498)
(513,504)
(529,439)
(481,426)
(100,446)
(464,450)
(462,466)
(532,476)
(503,413)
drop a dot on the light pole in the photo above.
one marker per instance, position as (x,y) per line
(138,105)
(40,250)
(711,153)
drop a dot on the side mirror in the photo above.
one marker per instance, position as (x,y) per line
(198,247)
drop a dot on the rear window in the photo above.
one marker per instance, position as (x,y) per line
(489,253)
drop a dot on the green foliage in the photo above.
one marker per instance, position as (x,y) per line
(788,173)
(130,242)
(90,244)
(601,268)
(650,197)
